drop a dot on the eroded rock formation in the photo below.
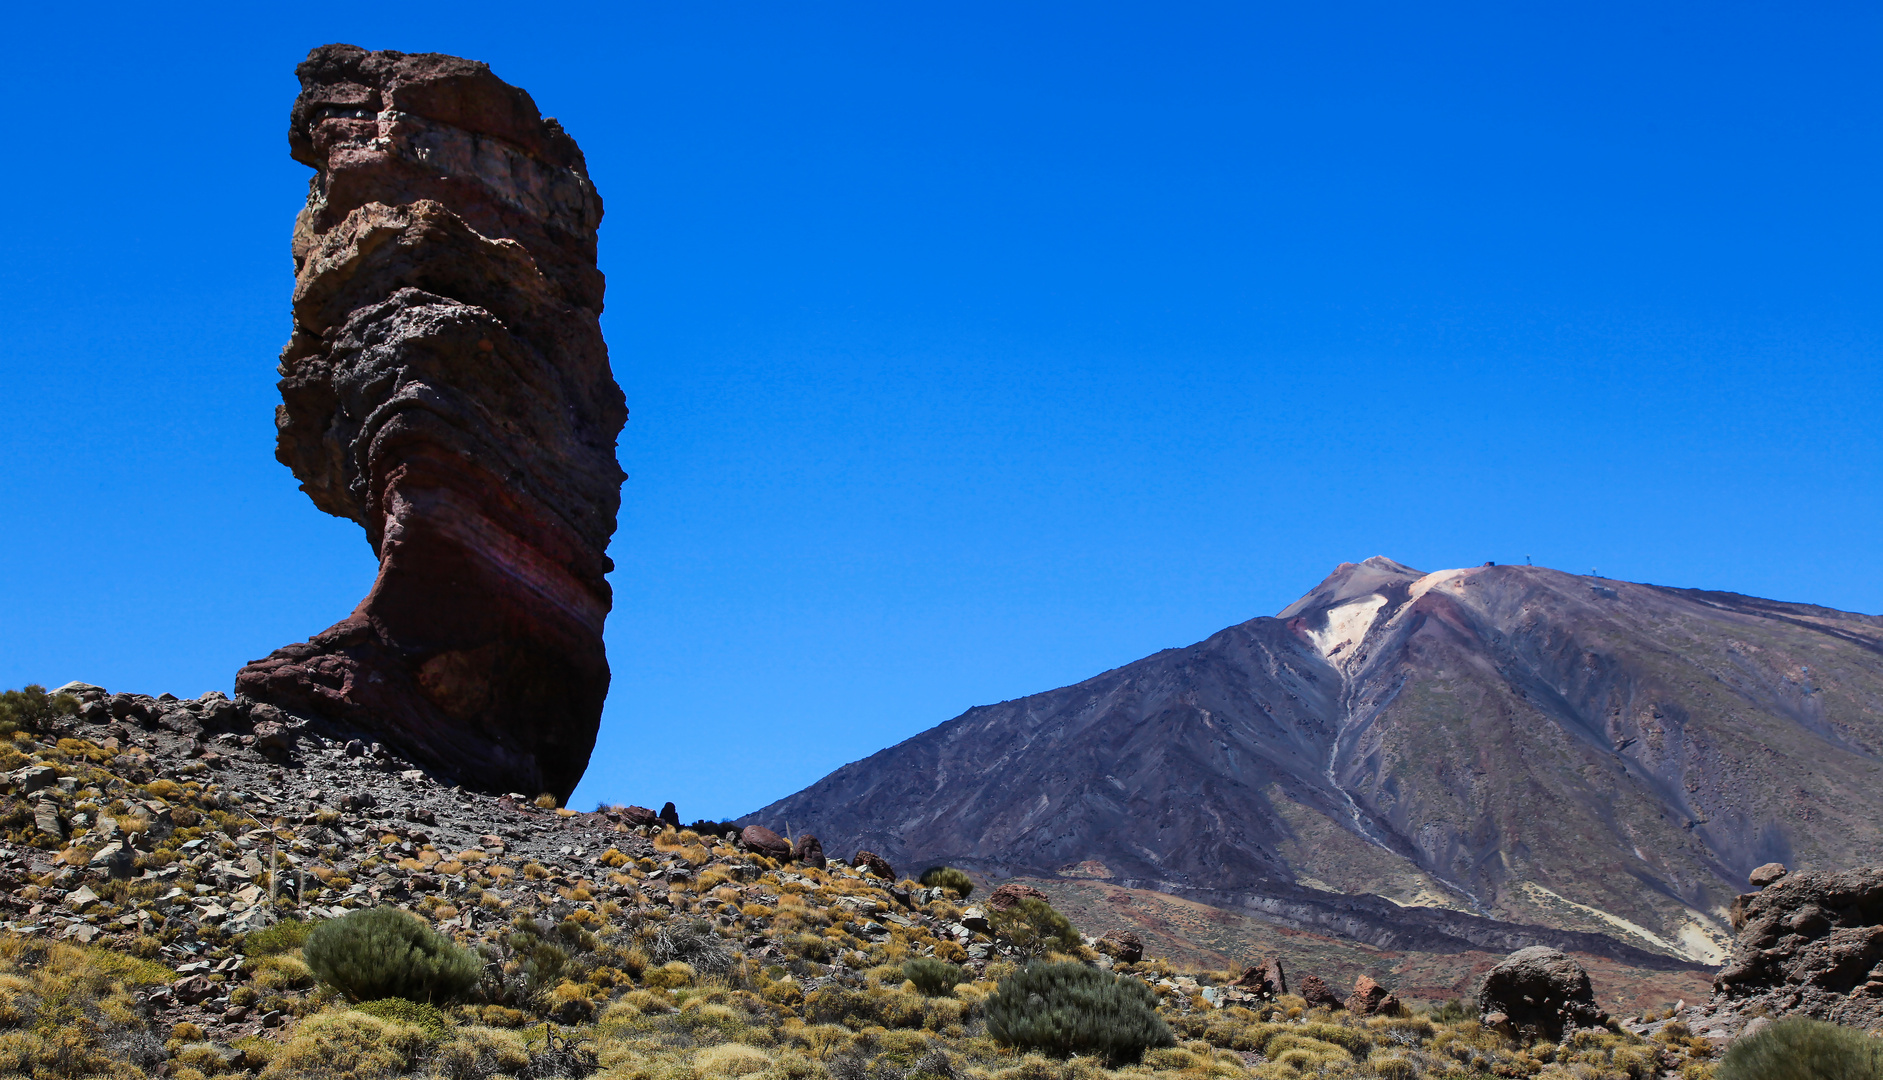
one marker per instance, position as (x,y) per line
(1812,943)
(447,387)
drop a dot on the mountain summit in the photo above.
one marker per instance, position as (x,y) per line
(1400,754)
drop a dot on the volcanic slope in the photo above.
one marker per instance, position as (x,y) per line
(1471,758)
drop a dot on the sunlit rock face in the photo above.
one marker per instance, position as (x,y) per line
(447,387)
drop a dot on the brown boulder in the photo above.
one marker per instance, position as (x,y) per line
(1540,989)
(766,842)
(193,989)
(639,816)
(1369,998)
(1317,992)
(1762,876)
(809,851)
(875,864)
(1126,948)
(447,387)
(1269,979)
(1012,893)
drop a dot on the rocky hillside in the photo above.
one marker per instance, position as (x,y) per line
(165,862)
(1413,759)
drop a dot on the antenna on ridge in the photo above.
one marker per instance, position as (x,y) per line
(1526,560)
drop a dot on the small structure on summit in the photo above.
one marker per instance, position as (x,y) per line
(447,387)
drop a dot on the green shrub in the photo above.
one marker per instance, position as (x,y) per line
(384,952)
(1452,1012)
(1801,1049)
(934,978)
(286,935)
(425,1017)
(1035,928)
(1064,1009)
(947,877)
(30,706)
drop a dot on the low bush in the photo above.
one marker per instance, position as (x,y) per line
(933,978)
(1065,1009)
(479,1053)
(1035,928)
(947,877)
(1801,1049)
(347,1043)
(670,976)
(731,1059)
(384,952)
(286,935)
(29,707)
(425,1017)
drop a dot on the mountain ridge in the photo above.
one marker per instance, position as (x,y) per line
(1557,752)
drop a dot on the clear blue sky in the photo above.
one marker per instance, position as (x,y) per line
(973,349)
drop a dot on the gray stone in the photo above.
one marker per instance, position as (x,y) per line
(31,778)
(47,819)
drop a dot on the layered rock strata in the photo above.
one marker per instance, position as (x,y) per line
(447,387)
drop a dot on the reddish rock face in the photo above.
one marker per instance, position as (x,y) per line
(1369,998)
(447,387)
(1012,893)
(1315,991)
(766,842)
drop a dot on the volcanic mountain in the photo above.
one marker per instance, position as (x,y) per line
(1484,757)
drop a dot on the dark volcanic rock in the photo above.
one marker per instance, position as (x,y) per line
(1126,948)
(447,387)
(1456,742)
(875,864)
(1810,943)
(810,851)
(669,814)
(1540,989)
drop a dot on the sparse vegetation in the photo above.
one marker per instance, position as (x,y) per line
(666,953)
(1801,1049)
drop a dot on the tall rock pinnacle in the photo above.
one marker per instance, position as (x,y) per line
(447,387)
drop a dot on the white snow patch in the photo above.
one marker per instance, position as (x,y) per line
(1347,624)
